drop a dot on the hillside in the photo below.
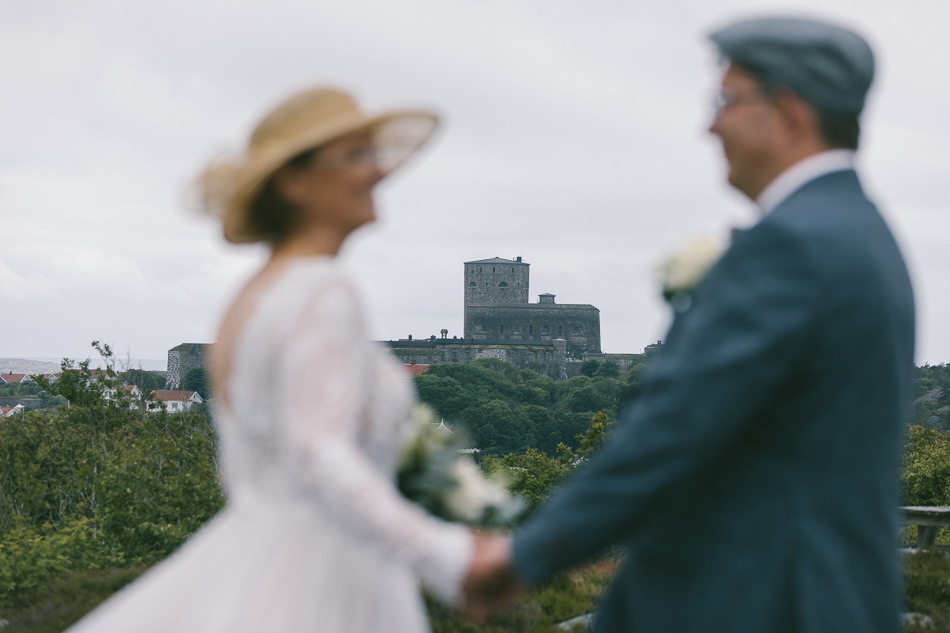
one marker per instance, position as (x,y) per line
(26,366)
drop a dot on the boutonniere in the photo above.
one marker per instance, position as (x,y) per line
(680,273)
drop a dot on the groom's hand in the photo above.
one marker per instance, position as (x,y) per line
(491,582)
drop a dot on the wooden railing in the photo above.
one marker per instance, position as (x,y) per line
(927,519)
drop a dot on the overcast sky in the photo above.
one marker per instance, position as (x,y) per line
(574,136)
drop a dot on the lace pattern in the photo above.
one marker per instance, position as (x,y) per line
(318,414)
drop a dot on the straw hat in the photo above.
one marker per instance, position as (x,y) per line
(303,122)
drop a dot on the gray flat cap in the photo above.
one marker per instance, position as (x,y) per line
(828,66)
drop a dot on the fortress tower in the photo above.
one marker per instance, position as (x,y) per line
(497,309)
(496,281)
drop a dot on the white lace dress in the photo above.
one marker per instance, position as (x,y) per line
(315,536)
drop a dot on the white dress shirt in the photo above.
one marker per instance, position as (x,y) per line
(802,172)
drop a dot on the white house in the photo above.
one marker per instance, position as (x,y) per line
(134,392)
(9,412)
(11,378)
(175,401)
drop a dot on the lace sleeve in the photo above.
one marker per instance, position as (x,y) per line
(325,374)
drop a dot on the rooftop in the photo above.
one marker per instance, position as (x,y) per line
(499,260)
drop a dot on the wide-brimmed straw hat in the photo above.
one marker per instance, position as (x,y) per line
(303,122)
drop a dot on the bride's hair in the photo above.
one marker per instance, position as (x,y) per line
(270,214)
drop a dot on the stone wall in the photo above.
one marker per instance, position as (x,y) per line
(549,358)
(577,324)
(625,361)
(183,358)
(28,402)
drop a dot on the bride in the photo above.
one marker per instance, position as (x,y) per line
(311,414)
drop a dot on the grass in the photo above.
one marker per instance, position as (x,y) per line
(69,596)
(66,598)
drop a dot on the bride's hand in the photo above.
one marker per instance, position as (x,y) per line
(491,582)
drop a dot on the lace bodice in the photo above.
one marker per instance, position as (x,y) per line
(316,416)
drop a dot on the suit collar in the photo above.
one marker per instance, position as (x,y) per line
(801,173)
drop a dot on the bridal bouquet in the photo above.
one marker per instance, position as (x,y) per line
(434,473)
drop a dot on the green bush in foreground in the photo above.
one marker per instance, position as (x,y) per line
(99,483)
(62,601)
(31,555)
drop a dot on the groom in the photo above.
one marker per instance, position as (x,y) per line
(754,482)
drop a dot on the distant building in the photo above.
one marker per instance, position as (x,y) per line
(175,401)
(11,378)
(413,369)
(9,412)
(497,308)
(553,339)
(183,358)
(550,338)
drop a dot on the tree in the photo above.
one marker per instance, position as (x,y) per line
(587,399)
(596,436)
(144,380)
(589,367)
(925,467)
(96,483)
(607,369)
(196,379)
(498,429)
(533,474)
(445,394)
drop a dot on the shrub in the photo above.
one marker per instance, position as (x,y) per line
(30,555)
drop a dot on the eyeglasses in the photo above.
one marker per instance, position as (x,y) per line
(724,100)
(358,156)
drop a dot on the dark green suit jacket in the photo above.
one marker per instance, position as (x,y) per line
(755,480)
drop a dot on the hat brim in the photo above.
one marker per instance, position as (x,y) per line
(397,134)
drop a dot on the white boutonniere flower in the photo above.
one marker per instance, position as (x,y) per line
(435,472)
(681,273)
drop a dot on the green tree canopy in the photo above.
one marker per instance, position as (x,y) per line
(589,367)
(196,379)
(144,380)
(925,468)
(98,482)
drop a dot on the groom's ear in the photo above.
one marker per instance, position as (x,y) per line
(799,118)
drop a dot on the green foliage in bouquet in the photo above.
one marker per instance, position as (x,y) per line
(436,473)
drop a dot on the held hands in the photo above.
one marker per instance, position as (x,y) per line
(491,583)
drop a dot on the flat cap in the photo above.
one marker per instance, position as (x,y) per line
(829,66)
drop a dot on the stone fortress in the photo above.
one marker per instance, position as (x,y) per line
(548,337)
(496,307)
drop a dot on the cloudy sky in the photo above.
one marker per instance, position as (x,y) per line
(574,136)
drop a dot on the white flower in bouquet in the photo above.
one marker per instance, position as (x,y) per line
(682,272)
(434,473)
(475,493)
